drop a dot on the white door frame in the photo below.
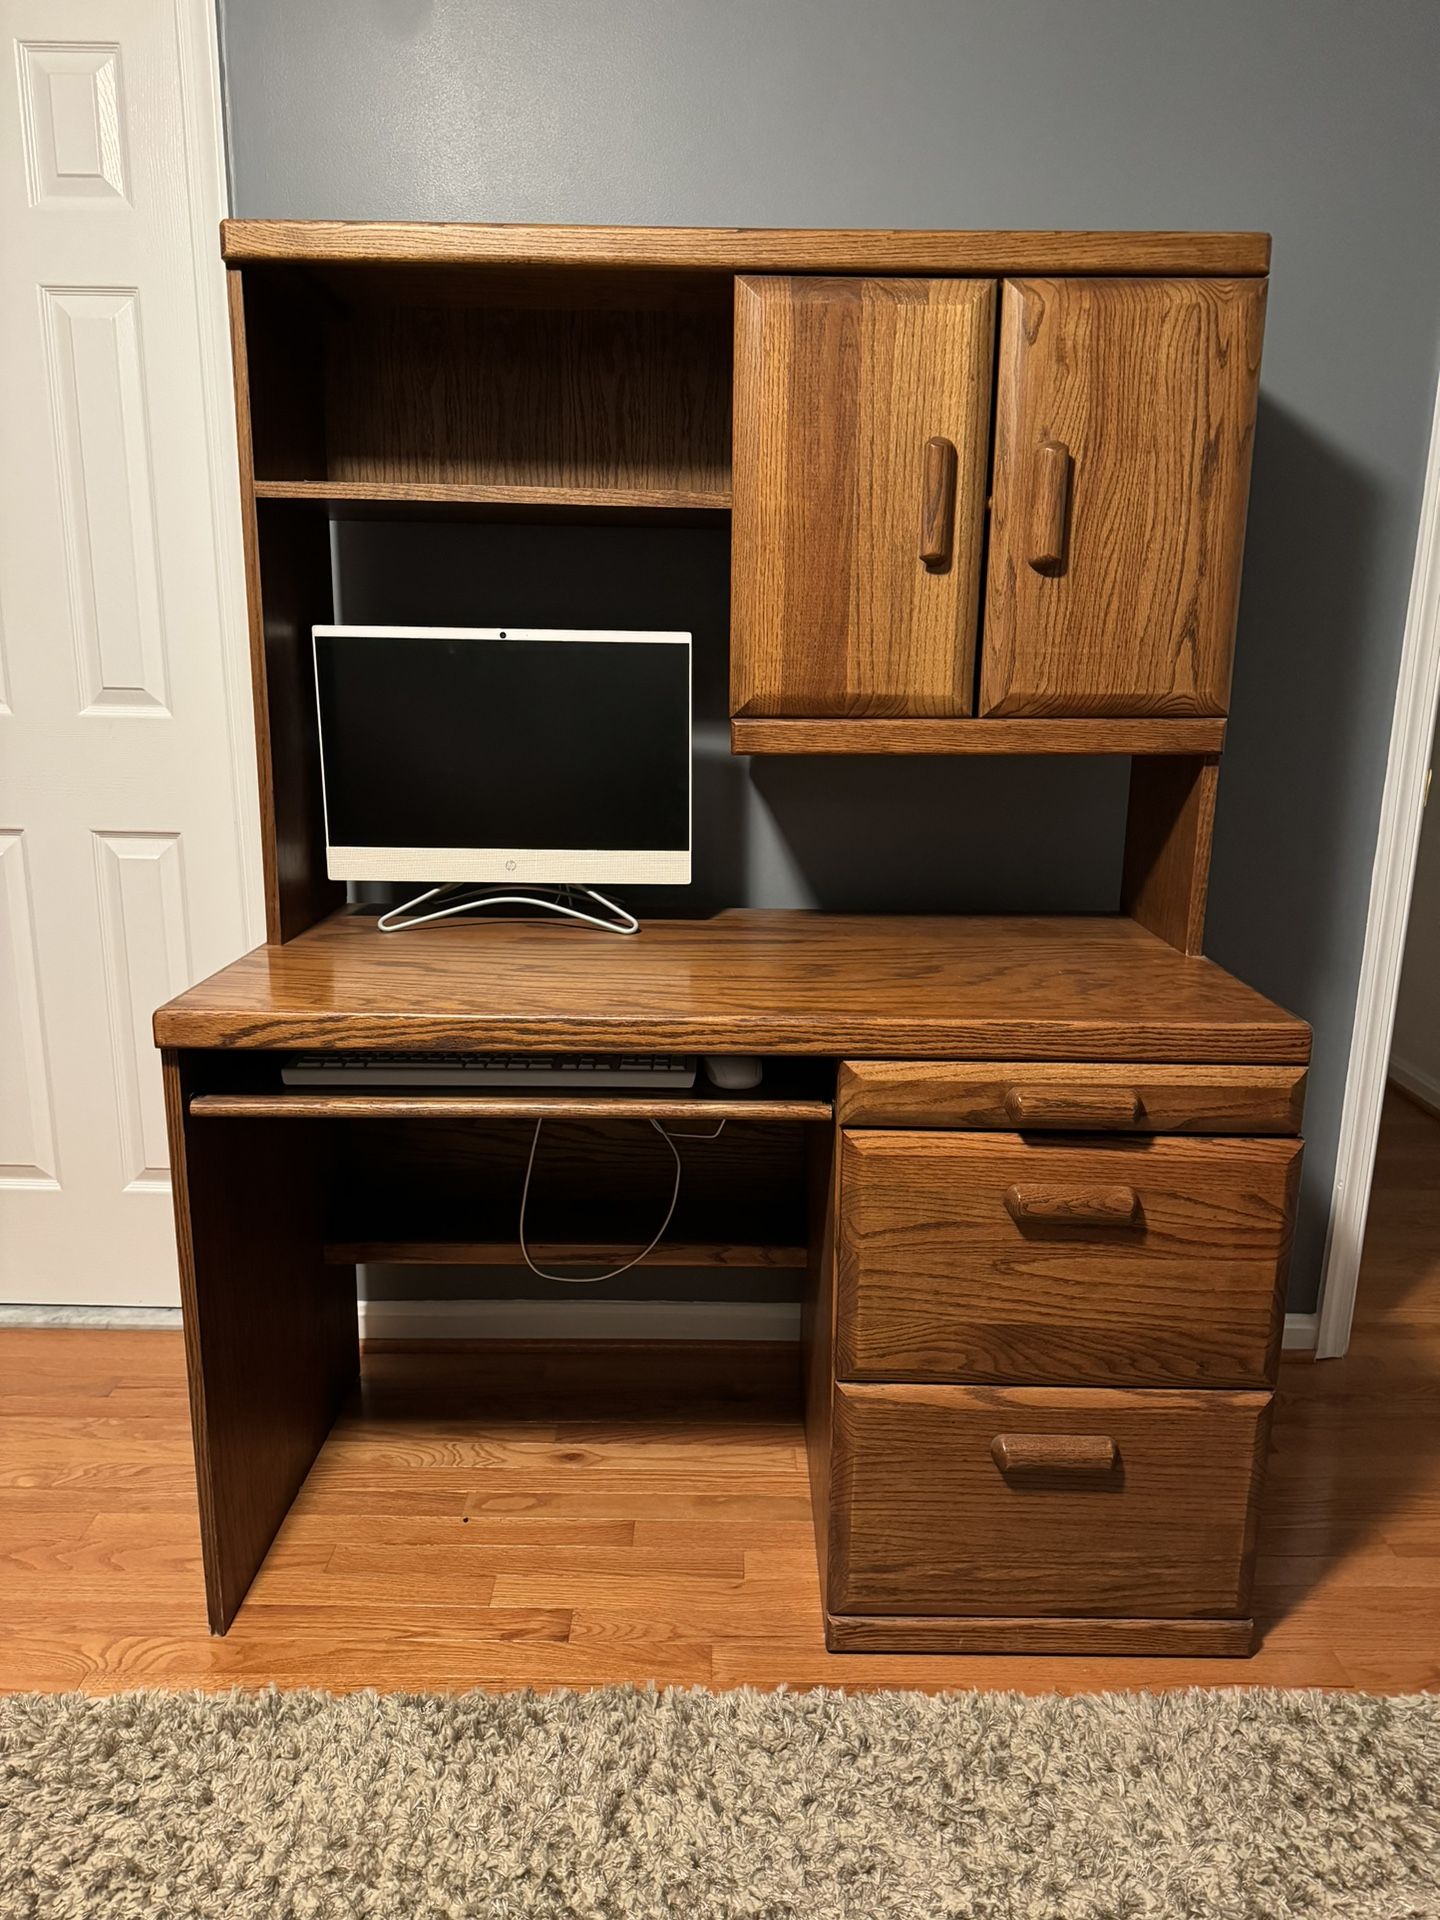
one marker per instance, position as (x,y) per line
(1392,882)
(197,39)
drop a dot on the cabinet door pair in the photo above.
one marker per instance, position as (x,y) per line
(1122,412)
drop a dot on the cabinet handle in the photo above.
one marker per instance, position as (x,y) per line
(937,502)
(1050,506)
(1073,1106)
(1059,1206)
(1049,1452)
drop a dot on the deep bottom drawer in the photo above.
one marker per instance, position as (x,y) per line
(1044,1500)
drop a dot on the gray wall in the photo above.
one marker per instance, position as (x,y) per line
(1316,122)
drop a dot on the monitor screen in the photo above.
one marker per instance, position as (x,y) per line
(451,753)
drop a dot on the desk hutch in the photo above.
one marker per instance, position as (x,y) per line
(985,494)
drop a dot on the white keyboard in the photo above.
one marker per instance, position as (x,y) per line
(489,1070)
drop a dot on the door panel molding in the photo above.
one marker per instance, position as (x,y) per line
(27,1134)
(100,412)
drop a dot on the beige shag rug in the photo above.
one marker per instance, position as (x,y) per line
(629,1805)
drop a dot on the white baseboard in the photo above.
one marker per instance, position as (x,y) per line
(539,1320)
(1417,1082)
(129,1319)
(1302,1330)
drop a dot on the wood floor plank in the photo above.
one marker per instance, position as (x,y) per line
(446,1540)
(720,1562)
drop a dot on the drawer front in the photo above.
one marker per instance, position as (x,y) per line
(1085,1260)
(1045,1096)
(1026,1501)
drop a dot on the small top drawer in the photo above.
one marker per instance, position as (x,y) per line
(1041,1096)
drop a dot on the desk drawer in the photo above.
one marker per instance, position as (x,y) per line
(1046,1095)
(975,1256)
(1032,1501)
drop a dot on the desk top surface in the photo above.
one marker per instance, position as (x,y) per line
(985,987)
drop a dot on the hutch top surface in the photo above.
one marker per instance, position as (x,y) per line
(743,249)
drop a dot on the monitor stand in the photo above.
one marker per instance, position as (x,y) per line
(570,903)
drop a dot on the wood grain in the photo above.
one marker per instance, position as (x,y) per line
(817,1339)
(1169,826)
(925,1522)
(1046,1095)
(749,981)
(870,736)
(1109,1639)
(1071,1205)
(1070,1453)
(270,1330)
(582,399)
(464,494)
(1347,1584)
(1151,387)
(743,249)
(840,387)
(939,1281)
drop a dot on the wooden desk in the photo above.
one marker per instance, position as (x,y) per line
(1040,1171)
(1055,1068)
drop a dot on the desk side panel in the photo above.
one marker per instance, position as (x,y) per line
(271,1337)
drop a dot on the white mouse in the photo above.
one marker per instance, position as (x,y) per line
(733,1071)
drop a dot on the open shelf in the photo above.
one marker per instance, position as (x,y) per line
(357,394)
(619,1104)
(501,1253)
(863,736)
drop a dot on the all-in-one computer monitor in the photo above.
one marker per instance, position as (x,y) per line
(519,756)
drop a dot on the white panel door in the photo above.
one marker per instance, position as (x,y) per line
(128,863)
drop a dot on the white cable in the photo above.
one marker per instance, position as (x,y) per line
(593,1279)
(392,922)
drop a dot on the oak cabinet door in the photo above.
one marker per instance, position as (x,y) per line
(860,440)
(1125,412)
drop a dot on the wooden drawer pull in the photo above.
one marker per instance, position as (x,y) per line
(1073,1106)
(937,502)
(1050,506)
(1047,1452)
(1060,1206)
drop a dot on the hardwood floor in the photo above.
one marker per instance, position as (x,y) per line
(552,1540)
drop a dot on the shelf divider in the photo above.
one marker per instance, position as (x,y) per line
(371,494)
